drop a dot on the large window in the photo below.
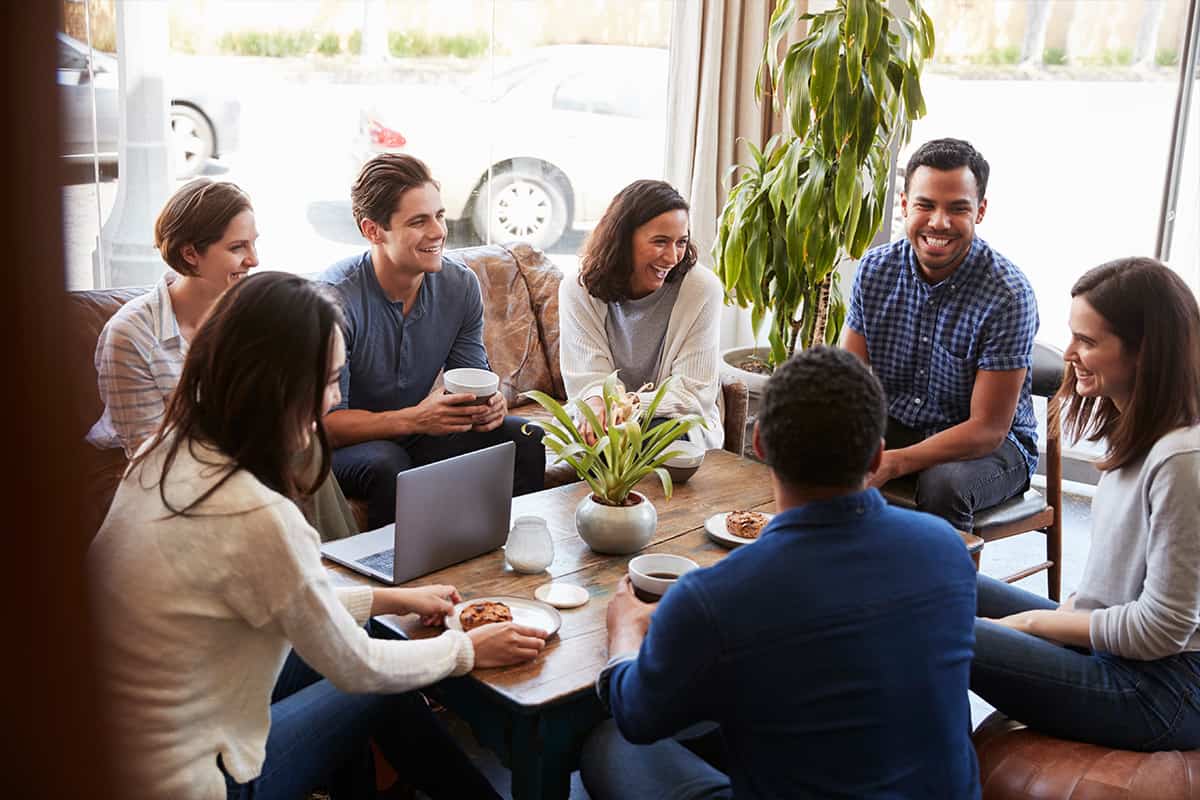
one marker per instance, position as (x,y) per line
(531,115)
(1072,103)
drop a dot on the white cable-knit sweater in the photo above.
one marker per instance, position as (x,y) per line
(195,616)
(690,350)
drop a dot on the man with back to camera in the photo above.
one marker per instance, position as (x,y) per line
(947,324)
(411,312)
(833,652)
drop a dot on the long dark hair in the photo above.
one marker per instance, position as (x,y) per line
(1154,314)
(253,382)
(606,262)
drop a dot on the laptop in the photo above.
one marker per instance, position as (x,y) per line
(446,512)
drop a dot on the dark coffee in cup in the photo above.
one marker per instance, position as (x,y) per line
(649,597)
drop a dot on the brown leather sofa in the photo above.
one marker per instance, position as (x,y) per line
(520,291)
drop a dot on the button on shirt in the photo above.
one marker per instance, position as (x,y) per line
(392,360)
(927,342)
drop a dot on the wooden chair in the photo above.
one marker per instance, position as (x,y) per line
(1032,511)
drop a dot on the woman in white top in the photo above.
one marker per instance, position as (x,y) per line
(205,572)
(1118,663)
(642,306)
(206,234)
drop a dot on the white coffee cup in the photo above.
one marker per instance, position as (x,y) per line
(653,574)
(466,380)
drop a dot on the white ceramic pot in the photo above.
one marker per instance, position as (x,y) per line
(754,381)
(616,530)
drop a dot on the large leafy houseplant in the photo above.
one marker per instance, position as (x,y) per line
(622,454)
(848,91)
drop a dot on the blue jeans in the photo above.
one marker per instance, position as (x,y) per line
(368,470)
(319,738)
(955,490)
(669,769)
(1077,694)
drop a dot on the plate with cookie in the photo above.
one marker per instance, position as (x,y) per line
(736,528)
(484,610)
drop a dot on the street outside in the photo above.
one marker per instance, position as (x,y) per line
(1077,169)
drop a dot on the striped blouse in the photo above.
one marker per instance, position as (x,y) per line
(139,357)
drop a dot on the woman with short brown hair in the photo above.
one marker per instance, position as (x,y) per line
(206,233)
(643,308)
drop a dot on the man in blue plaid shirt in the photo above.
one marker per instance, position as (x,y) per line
(947,324)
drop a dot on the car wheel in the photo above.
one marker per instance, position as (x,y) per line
(192,141)
(523,205)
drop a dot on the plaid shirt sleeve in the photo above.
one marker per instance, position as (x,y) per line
(1008,344)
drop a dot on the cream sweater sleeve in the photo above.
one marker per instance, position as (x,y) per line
(584,355)
(280,583)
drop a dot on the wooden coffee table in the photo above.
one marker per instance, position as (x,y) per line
(536,715)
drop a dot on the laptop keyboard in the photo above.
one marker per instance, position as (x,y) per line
(383,561)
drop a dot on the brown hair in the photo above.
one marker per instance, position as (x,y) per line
(254,379)
(1154,314)
(197,214)
(381,182)
(606,262)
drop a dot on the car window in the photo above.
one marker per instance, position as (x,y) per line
(621,94)
(486,86)
(70,58)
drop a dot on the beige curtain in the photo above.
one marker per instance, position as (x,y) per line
(715,49)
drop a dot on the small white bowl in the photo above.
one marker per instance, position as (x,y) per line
(643,567)
(684,466)
(467,380)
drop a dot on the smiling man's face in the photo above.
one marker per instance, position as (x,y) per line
(416,232)
(941,209)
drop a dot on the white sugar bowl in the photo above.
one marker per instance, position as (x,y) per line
(529,548)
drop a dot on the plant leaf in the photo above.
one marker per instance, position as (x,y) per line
(550,404)
(825,62)
(665,477)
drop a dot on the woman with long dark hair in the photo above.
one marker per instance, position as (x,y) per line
(643,308)
(1118,663)
(205,572)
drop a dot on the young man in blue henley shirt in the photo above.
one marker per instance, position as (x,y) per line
(410,313)
(833,653)
(947,323)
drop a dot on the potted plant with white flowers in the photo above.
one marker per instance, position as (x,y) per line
(613,518)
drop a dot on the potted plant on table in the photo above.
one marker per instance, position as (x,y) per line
(613,518)
(816,194)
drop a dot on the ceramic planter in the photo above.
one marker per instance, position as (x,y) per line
(616,530)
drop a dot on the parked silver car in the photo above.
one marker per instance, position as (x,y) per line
(535,146)
(203,126)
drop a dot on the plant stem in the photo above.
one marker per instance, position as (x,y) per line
(818,334)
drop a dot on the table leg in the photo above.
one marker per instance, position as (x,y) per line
(541,748)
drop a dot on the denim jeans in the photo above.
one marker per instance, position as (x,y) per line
(955,490)
(319,738)
(1077,694)
(368,470)
(669,769)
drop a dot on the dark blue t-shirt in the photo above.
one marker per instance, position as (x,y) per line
(392,360)
(834,652)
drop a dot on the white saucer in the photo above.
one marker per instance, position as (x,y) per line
(562,595)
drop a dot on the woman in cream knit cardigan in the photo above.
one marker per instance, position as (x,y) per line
(205,573)
(642,307)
